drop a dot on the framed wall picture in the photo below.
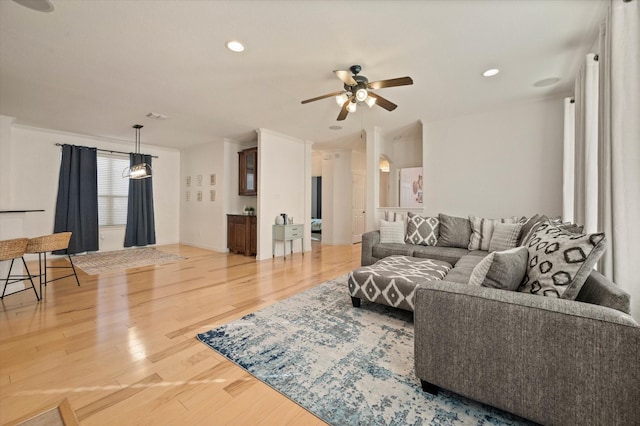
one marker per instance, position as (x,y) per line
(188,181)
(187,196)
(411,187)
(212,195)
(199,196)
(212,179)
(199,180)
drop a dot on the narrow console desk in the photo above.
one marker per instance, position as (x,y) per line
(286,233)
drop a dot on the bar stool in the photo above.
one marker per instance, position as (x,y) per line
(47,243)
(11,250)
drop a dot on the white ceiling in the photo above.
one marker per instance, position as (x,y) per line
(98,67)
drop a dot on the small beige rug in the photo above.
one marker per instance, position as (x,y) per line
(111,261)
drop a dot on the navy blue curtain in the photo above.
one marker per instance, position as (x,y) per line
(141,227)
(77,204)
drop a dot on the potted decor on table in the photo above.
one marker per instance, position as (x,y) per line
(249,211)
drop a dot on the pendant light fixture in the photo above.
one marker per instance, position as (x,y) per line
(140,170)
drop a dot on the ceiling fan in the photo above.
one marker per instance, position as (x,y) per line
(357,89)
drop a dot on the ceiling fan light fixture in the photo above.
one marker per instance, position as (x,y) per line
(371,101)
(341,99)
(352,107)
(361,95)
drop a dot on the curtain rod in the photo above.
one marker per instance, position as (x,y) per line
(109,151)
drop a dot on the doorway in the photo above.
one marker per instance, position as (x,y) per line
(316,208)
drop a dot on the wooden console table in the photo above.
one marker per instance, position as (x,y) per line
(286,233)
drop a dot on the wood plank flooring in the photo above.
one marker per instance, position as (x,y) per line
(122,348)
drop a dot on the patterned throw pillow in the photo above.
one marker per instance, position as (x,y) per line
(391,232)
(559,261)
(482,230)
(501,269)
(505,236)
(422,230)
(529,228)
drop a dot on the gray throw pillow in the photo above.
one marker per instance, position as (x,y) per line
(527,224)
(422,230)
(482,231)
(505,236)
(559,261)
(501,269)
(454,231)
(524,239)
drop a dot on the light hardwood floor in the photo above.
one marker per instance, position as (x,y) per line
(122,347)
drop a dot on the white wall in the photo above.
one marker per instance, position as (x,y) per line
(316,163)
(284,186)
(203,224)
(34,161)
(497,163)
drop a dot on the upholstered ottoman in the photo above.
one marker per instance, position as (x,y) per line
(392,281)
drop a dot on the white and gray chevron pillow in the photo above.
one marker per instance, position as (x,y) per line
(422,230)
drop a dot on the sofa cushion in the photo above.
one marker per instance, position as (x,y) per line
(393,281)
(383,250)
(482,231)
(559,261)
(463,269)
(448,254)
(454,231)
(422,230)
(505,236)
(501,269)
(391,232)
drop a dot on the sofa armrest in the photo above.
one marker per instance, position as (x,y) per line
(369,239)
(552,361)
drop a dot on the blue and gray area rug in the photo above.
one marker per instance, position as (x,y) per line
(348,366)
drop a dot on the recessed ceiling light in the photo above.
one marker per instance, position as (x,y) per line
(491,72)
(335,127)
(235,46)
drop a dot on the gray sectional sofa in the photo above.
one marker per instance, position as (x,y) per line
(550,360)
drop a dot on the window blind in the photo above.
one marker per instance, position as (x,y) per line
(113,190)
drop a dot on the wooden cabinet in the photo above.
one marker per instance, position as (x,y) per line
(242,234)
(248,161)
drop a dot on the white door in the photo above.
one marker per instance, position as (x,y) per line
(357,210)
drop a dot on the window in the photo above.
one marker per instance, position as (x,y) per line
(113,190)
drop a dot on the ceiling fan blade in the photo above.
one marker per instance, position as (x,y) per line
(392,82)
(343,112)
(384,103)
(346,77)
(328,95)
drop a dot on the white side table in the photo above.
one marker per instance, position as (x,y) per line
(286,233)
